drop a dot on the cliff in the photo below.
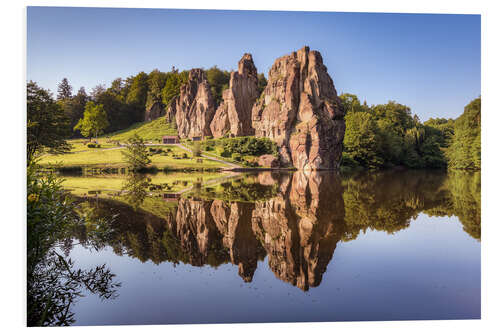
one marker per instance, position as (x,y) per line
(234,114)
(300,110)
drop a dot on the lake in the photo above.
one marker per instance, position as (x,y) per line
(284,247)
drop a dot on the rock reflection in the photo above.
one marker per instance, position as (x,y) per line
(295,219)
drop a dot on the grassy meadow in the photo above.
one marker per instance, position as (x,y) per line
(172,157)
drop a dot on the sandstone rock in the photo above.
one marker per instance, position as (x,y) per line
(234,113)
(300,110)
(171,110)
(196,230)
(268,161)
(195,106)
(155,111)
(301,227)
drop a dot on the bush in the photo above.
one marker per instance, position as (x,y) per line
(236,157)
(93,145)
(226,153)
(249,146)
(184,155)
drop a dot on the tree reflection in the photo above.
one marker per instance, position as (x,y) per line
(136,188)
(297,227)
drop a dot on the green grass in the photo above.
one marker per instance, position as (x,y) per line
(149,131)
(78,145)
(113,158)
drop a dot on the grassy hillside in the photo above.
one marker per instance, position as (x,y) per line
(150,131)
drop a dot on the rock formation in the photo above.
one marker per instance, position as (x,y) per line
(268,161)
(196,231)
(171,110)
(300,110)
(195,106)
(300,227)
(155,111)
(235,112)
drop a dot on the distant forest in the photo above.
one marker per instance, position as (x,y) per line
(376,137)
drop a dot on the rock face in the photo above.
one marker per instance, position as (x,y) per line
(235,112)
(300,227)
(155,111)
(171,110)
(300,110)
(195,106)
(268,161)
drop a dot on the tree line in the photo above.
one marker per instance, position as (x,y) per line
(126,100)
(388,135)
(377,136)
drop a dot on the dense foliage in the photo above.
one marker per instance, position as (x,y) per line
(389,135)
(245,145)
(465,149)
(94,120)
(53,284)
(47,125)
(219,81)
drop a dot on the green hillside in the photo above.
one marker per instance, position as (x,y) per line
(150,130)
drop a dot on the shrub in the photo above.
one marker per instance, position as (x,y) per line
(236,156)
(249,146)
(94,145)
(226,153)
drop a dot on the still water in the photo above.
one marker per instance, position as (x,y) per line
(288,247)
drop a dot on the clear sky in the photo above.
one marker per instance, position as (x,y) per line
(431,63)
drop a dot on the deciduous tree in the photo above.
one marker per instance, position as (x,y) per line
(94,120)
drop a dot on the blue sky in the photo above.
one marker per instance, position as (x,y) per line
(431,63)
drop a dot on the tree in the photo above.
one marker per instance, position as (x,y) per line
(156,82)
(465,149)
(173,83)
(64,90)
(362,140)
(47,126)
(218,80)
(75,106)
(136,155)
(94,120)
(53,283)
(261,83)
(138,90)
(97,90)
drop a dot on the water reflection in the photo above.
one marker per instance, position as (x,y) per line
(295,219)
